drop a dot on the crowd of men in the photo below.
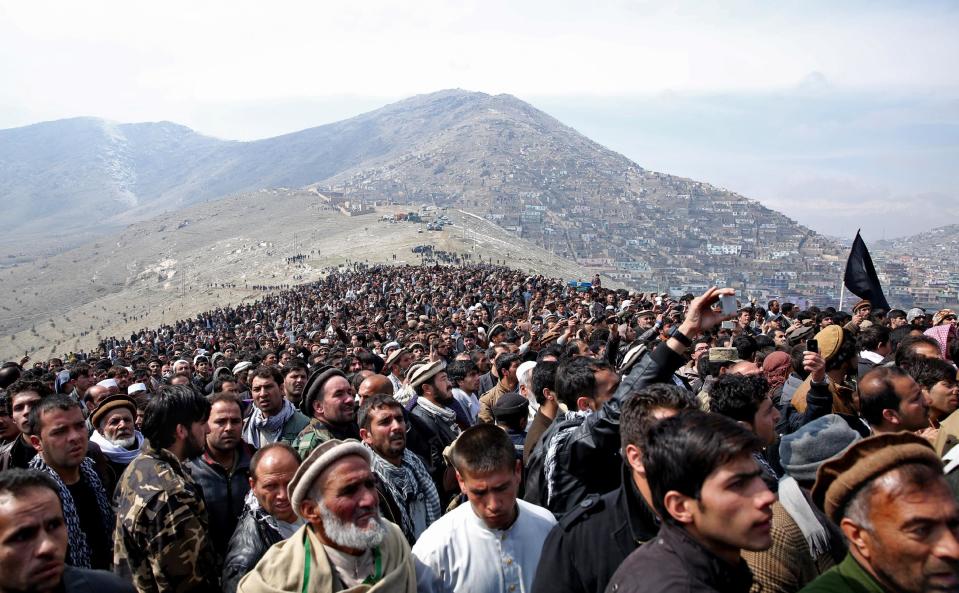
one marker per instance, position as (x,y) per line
(474,428)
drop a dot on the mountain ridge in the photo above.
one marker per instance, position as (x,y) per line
(494,155)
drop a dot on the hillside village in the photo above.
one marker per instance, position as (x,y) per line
(921,268)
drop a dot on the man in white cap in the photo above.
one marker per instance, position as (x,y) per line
(111,385)
(345,544)
(241,370)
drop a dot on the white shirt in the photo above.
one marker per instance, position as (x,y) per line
(267,438)
(469,402)
(460,553)
(952,460)
(397,383)
(288,529)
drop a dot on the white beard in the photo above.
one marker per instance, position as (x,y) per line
(348,535)
(128,443)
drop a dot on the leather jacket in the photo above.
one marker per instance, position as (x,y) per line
(586,454)
(254,535)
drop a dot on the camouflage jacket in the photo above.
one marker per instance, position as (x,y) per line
(311,437)
(161,540)
(317,433)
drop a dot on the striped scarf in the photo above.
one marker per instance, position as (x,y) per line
(78,553)
(272,425)
(407,484)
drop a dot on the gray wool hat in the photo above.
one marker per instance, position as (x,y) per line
(802,452)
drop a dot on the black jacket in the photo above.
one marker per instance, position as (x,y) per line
(253,537)
(676,562)
(223,493)
(583,551)
(433,437)
(82,580)
(587,458)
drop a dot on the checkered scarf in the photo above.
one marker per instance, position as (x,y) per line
(78,553)
(407,483)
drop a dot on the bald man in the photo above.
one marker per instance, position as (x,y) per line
(374,384)
(891,401)
(745,367)
(94,395)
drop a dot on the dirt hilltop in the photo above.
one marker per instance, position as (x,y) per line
(216,255)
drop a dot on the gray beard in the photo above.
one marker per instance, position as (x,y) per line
(348,535)
(128,443)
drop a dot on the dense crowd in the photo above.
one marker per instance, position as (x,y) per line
(474,428)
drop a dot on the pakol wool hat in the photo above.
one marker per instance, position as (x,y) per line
(318,460)
(839,479)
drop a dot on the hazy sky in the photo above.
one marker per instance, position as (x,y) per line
(838,114)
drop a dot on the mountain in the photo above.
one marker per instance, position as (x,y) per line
(495,156)
(92,171)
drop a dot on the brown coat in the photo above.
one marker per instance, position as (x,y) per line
(787,566)
(540,424)
(489,399)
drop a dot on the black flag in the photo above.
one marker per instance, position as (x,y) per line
(861,278)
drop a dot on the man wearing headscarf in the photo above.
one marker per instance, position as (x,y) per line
(944,335)
(805,543)
(776,369)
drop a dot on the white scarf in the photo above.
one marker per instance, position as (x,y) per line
(434,410)
(797,505)
(115,453)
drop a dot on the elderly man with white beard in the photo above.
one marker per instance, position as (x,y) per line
(115,431)
(345,545)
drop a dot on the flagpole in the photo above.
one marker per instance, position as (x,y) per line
(842,278)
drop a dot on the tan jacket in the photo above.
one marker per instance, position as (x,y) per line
(842,398)
(948,435)
(281,569)
(489,399)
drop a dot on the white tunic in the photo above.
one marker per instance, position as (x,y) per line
(459,553)
(469,402)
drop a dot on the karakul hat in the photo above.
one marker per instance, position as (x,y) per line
(723,355)
(510,404)
(314,386)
